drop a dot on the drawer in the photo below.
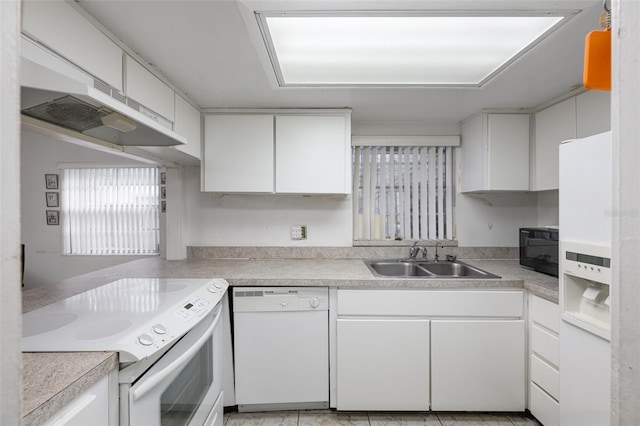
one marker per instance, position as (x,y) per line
(546,376)
(460,304)
(545,313)
(543,407)
(545,344)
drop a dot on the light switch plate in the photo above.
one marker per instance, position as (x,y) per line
(299,232)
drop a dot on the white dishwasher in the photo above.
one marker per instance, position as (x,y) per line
(281,346)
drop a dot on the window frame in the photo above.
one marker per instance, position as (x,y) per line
(430,182)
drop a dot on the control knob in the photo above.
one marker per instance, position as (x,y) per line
(145,340)
(159,328)
(314,302)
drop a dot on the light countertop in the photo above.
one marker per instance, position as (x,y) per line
(48,387)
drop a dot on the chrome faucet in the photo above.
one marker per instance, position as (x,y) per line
(436,256)
(415,250)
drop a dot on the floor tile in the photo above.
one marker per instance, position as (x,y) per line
(403,419)
(473,419)
(334,418)
(270,418)
(523,420)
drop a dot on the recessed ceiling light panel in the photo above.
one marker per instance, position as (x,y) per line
(331,50)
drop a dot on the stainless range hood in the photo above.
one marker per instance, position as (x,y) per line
(55,92)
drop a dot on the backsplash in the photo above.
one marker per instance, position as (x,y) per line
(378,252)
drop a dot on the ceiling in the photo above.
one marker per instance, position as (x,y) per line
(211,50)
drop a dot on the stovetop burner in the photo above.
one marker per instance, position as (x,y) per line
(115,316)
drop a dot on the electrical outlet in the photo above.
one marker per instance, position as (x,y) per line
(299,232)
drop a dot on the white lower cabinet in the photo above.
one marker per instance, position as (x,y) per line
(444,350)
(383,364)
(544,360)
(477,365)
(89,408)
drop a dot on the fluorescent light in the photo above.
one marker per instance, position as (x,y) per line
(397,50)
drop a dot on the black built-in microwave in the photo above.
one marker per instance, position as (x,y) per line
(539,249)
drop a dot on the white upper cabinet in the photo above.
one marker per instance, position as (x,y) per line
(593,113)
(59,26)
(495,152)
(238,153)
(313,154)
(553,125)
(293,153)
(188,124)
(148,90)
(577,117)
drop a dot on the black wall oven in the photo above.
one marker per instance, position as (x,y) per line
(539,249)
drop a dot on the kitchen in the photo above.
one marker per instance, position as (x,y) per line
(281,211)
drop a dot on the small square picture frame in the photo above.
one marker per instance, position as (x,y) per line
(163,192)
(51,181)
(163,178)
(53,199)
(163,207)
(53,217)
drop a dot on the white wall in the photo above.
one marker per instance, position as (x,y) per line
(548,208)
(44,262)
(493,220)
(264,220)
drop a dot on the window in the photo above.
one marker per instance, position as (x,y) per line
(403,192)
(110,211)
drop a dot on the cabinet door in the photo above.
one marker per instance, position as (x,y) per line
(474,155)
(187,124)
(57,25)
(238,153)
(553,125)
(91,407)
(313,154)
(495,153)
(148,90)
(477,365)
(383,364)
(508,152)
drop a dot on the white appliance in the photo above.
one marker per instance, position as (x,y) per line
(54,91)
(585,280)
(169,340)
(281,338)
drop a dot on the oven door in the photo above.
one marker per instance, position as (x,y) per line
(184,386)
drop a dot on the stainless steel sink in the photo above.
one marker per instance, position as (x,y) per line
(421,269)
(398,268)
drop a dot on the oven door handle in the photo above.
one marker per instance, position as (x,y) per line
(177,363)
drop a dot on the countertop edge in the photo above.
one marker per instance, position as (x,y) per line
(44,411)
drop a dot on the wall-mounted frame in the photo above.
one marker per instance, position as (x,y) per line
(163,207)
(163,192)
(53,199)
(163,178)
(51,181)
(53,217)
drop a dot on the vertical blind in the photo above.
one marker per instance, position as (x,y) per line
(110,211)
(403,192)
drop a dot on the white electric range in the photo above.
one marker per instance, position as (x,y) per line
(168,336)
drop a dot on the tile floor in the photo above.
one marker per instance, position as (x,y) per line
(335,418)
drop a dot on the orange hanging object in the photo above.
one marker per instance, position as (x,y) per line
(597,60)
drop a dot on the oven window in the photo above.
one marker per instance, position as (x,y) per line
(181,399)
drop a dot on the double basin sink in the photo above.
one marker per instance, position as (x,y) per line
(410,268)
